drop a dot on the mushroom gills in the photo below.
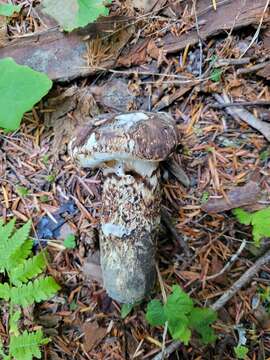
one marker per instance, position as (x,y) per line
(129,227)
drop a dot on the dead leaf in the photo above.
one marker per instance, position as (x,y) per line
(216,266)
(114,95)
(93,334)
(152,50)
(73,108)
(135,56)
(148,5)
(3,31)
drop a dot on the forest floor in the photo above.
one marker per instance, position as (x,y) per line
(222,163)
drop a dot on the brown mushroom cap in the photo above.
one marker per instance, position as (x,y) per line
(125,137)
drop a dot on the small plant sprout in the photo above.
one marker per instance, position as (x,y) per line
(260,221)
(241,351)
(182,317)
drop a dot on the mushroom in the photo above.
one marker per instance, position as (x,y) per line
(128,147)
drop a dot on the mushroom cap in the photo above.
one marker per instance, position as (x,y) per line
(124,137)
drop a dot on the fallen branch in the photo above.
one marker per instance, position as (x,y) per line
(244,115)
(230,14)
(238,197)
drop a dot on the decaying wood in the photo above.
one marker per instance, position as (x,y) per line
(238,197)
(62,56)
(240,113)
(230,14)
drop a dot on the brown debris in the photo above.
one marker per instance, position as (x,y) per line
(228,15)
(93,334)
(238,197)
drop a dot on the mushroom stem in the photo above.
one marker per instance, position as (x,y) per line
(129,226)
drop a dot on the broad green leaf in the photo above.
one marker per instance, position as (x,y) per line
(260,220)
(69,242)
(242,216)
(9,9)
(155,313)
(72,14)
(200,320)
(241,351)
(126,309)
(178,328)
(21,88)
(178,303)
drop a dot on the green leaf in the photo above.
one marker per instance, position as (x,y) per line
(28,269)
(241,351)
(22,191)
(200,320)
(13,323)
(21,254)
(260,220)
(9,9)
(36,291)
(242,216)
(69,242)
(72,14)
(155,313)
(265,155)
(216,75)
(9,246)
(6,230)
(178,328)
(126,309)
(178,303)
(21,88)
(27,345)
(4,291)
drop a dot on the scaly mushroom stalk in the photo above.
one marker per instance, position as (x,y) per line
(129,148)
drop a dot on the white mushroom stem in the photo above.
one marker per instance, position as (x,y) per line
(129,226)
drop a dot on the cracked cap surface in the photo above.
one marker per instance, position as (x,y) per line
(129,136)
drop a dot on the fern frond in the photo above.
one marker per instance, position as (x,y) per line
(28,269)
(4,291)
(36,291)
(21,254)
(9,246)
(6,230)
(26,346)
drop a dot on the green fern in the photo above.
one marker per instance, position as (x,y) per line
(29,269)
(27,345)
(25,287)
(36,291)
(11,243)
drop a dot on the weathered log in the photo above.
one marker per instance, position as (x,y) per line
(63,56)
